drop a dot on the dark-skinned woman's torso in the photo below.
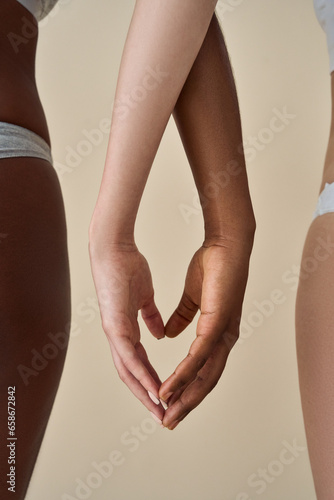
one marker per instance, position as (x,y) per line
(19,99)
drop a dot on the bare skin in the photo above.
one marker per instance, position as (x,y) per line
(35,286)
(165,37)
(217,276)
(315,340)
(207,116)
(34,270)
(328,172)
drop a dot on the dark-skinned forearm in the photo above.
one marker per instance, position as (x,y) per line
(208,119)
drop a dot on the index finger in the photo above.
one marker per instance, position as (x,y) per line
(209,334)
(135,386)
(193,395)
(124,335)
(216,304)
(133,362)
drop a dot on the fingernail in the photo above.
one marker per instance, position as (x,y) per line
(173,426)
(168,395)
(164,405)
(156,419)
(154,399)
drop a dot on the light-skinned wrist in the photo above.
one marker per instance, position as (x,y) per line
(106,237)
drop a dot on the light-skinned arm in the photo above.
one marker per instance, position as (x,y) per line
(163,41)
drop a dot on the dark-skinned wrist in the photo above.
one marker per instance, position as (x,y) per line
(231,233)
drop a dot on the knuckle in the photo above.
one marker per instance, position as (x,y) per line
(187,406)
(183,314)
(128,359)
(150,317)
(186,308)
(197,361)
(122,375)
(188,302)
(230,338)
(106,325)
(206,386)
(180,381)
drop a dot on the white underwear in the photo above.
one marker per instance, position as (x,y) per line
(17,141)
(325,201)
(324,10)
(38,8)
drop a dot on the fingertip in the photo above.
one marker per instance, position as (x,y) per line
(176,325)
(153,320)
(156,327)
(171,329)
(164,397)
(158,335)
(157,420)
(153,398)
(164,405)
(173,426)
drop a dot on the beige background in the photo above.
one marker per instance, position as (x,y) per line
(279,57)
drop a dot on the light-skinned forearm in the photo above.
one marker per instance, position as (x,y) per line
(163,41)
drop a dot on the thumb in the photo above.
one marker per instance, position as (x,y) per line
(153,319)
(181,317)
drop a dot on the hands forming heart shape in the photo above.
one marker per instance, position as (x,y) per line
(196,86)
(215,284)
